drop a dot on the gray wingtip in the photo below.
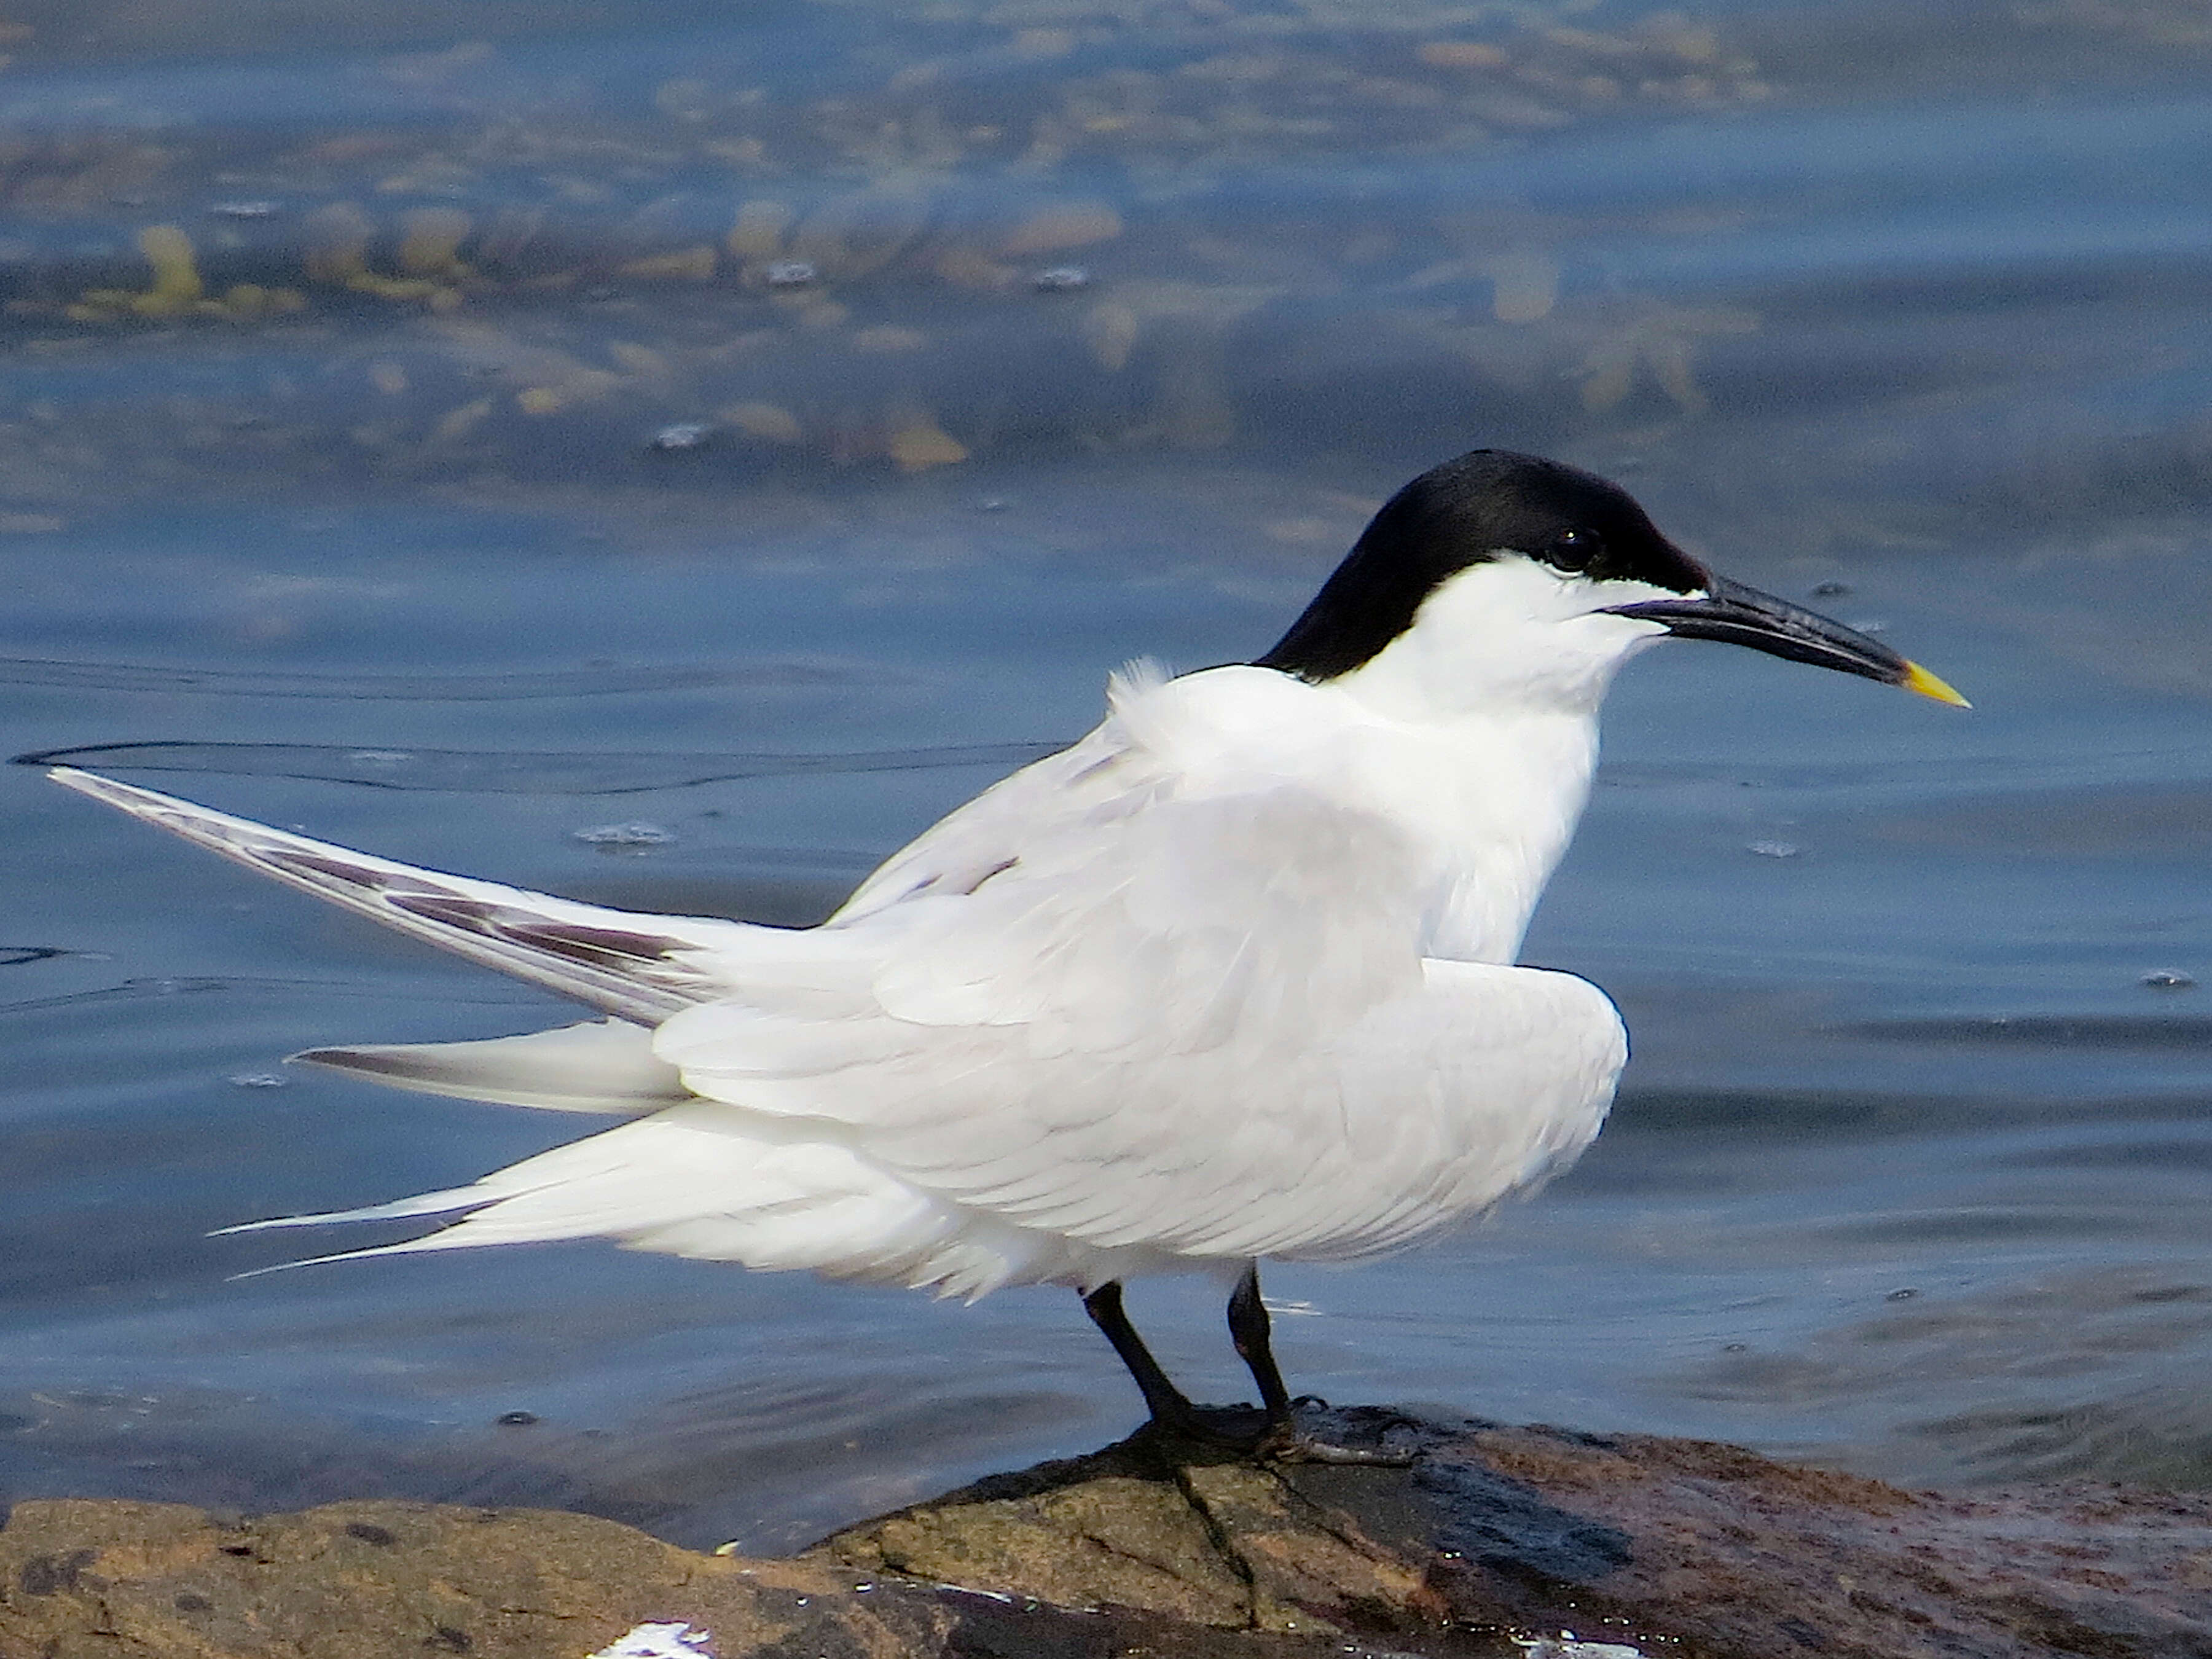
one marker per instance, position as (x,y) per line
(91,783)
(149,805)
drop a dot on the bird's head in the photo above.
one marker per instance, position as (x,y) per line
(1500,579)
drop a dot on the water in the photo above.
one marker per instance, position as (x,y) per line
(330,494)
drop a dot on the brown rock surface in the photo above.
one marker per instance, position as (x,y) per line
(365,1580)
(1493,1539)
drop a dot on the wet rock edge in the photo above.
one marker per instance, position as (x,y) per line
(1494,1540)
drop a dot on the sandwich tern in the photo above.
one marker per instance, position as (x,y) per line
(1230,978)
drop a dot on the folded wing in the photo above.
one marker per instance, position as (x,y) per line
(1200,1022)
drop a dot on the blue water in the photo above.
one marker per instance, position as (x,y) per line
(1910,1171)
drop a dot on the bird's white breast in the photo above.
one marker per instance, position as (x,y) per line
(1488,798)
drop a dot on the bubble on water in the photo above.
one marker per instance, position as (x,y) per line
(1061,279)
(625,837)
(258,1080)
(684,434)
(1774,849)
(789,273)
(244,210)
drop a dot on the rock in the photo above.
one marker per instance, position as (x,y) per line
(1201,1536)
(1495,1540)
(1735,1554)
(369,1580)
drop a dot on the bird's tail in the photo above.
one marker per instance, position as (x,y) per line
(600,1066)
(696,1179)
(686,1175)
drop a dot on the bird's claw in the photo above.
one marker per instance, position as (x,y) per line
(1283,1443)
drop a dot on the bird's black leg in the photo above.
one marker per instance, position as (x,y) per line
(1249,1330)
(1170,1407)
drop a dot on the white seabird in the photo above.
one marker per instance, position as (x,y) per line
(1231,978)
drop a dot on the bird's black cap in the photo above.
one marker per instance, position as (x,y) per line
(1461,513)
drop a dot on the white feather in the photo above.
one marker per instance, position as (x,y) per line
(600,1066)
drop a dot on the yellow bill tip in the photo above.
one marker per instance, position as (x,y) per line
(1918,679)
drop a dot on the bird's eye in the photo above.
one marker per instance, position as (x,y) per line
(1574,550)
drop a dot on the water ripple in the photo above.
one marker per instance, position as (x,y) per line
(513,772)
(594,682)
